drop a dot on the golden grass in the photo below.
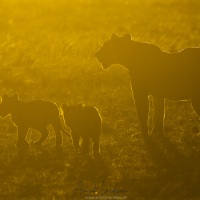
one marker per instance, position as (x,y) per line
(47,52)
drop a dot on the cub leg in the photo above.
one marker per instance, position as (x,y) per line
(75,139)
(57,128)
(142,106)
(158,114)
(85,144)
(21,140)
(58,137)
(44,134)
(96,148)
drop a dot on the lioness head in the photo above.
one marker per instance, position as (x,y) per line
(7,104)
(114,51)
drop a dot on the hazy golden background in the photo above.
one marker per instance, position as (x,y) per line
(47,52)
(46,47)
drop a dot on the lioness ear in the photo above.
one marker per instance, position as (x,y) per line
(114,36)
(15,97)
(128,36)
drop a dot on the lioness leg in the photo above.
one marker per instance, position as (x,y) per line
(196,105)
(44,134)
(21,140)
(158,114)
(142,106)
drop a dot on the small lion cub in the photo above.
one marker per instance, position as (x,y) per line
(85,124)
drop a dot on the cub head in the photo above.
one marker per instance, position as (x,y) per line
(69,113)
(67,110)
(7,103)
(114,51)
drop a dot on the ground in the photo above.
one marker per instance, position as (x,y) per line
(47,52)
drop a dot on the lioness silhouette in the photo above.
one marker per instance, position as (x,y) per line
(174,76)
(37,114)
(85,123)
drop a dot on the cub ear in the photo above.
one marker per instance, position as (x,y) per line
(128,36)
(114,36)
(15,97)
(64,106)
(4,97)
(80,104)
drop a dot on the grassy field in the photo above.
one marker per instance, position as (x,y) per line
(47,52)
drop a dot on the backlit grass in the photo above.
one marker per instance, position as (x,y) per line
(47,52)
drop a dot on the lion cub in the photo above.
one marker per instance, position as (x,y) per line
(85,123)
(37,114)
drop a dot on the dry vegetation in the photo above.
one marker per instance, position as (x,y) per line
(47,52)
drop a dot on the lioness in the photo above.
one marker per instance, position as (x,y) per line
(153,72)
(37,114)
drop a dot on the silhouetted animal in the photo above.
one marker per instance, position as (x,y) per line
(153,72)
(85,123)
(37,114)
